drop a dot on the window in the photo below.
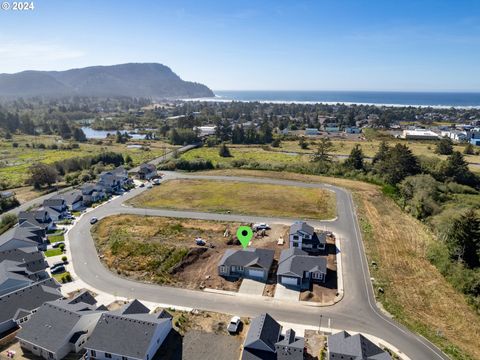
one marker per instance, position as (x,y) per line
(295,237)
(108,355)
(124,358)
(295,244)
(93,353)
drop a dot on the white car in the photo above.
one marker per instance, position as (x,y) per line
(149,186)
(260,226)
(234,325)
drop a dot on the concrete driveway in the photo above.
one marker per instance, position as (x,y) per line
(284,293)
(251,287)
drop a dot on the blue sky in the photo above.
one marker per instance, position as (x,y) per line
(274,45)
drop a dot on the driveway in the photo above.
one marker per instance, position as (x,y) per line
(251,287)
(284,293)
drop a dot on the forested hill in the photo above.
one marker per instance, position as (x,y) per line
(152,80)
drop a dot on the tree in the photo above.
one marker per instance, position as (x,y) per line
(322,155)
(276,142)
(468,150)
(463,239)
(42,174)
(26,125)
(421,195)
(398,164)
(444,146)
(456,169)
(224,151)
(382,152)
(64,130)
(302,143)
(79,135)
(355,159)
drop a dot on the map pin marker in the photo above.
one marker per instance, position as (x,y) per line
(244,235)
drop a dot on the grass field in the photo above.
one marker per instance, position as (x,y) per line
(56,238)
(415,292)
(14,162)
(240,198)
(53,252)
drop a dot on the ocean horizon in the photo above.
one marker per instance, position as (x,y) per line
(379,98)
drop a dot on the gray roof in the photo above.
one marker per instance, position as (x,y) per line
(133,307)
(248,257)
(127,334)
(303,227)
(147,168)
(83,297)
(265,329)
(72,197)
(30,232)
(356,347)
(28,298)
(13,277)
(291,340)
(54,201)
(52,322)
(32,259)
(294,262)
(8,243)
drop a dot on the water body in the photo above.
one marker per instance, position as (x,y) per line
(394,98)
(102,134)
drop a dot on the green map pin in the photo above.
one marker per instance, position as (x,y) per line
(244,234)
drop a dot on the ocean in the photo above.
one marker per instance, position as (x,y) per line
(391,98)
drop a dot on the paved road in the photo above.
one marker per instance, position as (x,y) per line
(357,310)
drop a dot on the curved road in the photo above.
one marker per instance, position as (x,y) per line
(357,311)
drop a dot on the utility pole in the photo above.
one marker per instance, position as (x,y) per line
(320,324)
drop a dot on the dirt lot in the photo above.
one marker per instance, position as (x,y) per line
(324,293)
(315,344)
(163,250)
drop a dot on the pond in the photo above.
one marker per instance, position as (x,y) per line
(102,134)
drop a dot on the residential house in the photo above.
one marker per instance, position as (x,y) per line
(357,347)
(92,193)
(29,257)
(13,277)
(58,328)
(264,341)
(113,181)
(419,134)
(56,207)
(73,200)
(39,218)
(16,243)
(147,172)
(249,263)
(19,305)
(31,232)
(128,333)
(331,127)
(311,132)
(353,130)
(298,270)
(306,238)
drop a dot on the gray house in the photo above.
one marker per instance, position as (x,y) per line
(249,263)
(357,347)
(298,270)
(128,333)
(30,258)
(56,207)
(264,341)
(31,232)
(147,172)
(39,218)
(18,306)
(73,200)
(114,180)
(92,193)
(58,328)
(306,238)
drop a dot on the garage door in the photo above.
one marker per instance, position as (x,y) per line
(286,280)
(255,273)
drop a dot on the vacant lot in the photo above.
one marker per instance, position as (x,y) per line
(415,292)
(240,198)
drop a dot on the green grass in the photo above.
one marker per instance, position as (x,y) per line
(59,277)
(53,252)
(56,238)
(241,198)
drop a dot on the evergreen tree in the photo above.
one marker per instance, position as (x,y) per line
(355,159)
(382,152)
(444,146)
(456,169)
(468,150)
(322,155)
(224,151)
(398,164)
(79,135)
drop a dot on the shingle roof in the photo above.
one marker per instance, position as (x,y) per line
(248,257)
(294,262)
(72,197)
(301,226)
(291,340)
(30,256)
(265,329)
(15,242)
(54,201)
(52,322)
(28,298)
(357,347)
(84,297)
(28,231)
(128,334)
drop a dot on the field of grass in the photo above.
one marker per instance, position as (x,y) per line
(415,291)
(15,162)
(56,238)
(53,252)
(240,198)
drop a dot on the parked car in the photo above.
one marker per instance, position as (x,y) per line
(142,185)
(57,264)
(93,220)
(57,244)
(260,226)
(234,325)
(149,186)
(58,270)
(200,241)
(156,181)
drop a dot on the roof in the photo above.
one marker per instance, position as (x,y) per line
(27,231)
(357,347)
(248,257)
(28,298)
(32,259)
(83,297)
(16,242)
(291,340)
(133,307)
(294,262)
(147,168)
(72,197)
(54,201)
(52,322)
(303,227)
(127,334)
(263,329)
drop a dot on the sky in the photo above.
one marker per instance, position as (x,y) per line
(410,45)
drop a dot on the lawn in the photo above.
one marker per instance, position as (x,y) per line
(240,198)
(56,238)
(53,252)
(59,277)
(415,291)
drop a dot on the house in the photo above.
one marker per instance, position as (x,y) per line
(353,130)
(59,327)
(29,257)
(92,193)
(128,333)
(39,218)
(31,232)
(147,172)
(357,347)
(205,130)
(13,277)
(419,134)
(56,208)
(306,238)
(331,127)
(298,270)
(249,263)
(113,181)
(73,200)
(311,131)
(264,341)
(16,243)
(18,306)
